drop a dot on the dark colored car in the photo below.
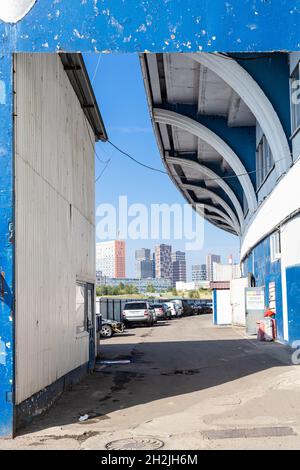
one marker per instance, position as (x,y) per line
(110,327)
(204,308)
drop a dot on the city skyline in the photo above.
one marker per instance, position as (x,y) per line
(145,264)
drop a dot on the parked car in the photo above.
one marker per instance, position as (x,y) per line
(139,313)
(110,327)
(207,308)
(185,308)
(160,311)
(174,309)
(168,314)
(204,307)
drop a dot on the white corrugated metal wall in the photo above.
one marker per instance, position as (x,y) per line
(55,217)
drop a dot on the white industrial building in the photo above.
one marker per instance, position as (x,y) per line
(56,123)
(194,285)
(226,272)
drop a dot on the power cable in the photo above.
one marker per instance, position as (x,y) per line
(137,161)
(205,180)
(97,68)
(102,172)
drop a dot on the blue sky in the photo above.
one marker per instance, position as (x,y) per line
(119,90)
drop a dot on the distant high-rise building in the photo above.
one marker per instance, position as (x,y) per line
(143,263)
(178,267)
(163,262)
(199,272)
(111,258)
(153,266)
(210,259)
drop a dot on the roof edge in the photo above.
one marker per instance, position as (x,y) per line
(76,71)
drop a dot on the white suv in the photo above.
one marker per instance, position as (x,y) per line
(138,312)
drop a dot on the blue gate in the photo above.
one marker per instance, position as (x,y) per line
(293,301)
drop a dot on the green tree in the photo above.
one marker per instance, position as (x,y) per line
(151,288)
(192,294)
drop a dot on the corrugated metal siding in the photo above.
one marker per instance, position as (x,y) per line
(55,232)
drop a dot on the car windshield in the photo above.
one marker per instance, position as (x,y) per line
(135,306)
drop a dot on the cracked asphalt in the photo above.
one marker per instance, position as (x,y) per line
(190,384)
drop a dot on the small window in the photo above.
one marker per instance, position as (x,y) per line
(295,98)
(275,247)
(264,161)
(81,308)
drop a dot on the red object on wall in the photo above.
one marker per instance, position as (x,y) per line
(269,313)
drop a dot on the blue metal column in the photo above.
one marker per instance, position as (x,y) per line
(6,248)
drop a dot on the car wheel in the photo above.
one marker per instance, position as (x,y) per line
(106,331)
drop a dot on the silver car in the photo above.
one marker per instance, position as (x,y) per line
(138,312)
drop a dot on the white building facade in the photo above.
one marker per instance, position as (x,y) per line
(226,272)
(111,258)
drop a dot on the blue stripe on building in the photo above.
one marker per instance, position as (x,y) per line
(173,26)
(7,248)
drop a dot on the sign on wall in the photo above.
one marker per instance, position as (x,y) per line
(255,298)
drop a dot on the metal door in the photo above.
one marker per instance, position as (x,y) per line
(255,307)
(237,299)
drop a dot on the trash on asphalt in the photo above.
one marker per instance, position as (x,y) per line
(83,418)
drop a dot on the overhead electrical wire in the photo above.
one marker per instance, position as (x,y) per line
(103,162)
(205,180)
(135,160)
(102,172)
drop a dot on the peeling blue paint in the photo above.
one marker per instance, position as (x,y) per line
(156,26)
(7,249)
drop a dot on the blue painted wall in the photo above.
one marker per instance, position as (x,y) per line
(293,299)
(215,313)
(6,248)
(156,25)
(264,271)
(263,71)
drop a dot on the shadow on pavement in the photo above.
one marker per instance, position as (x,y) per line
(159,370)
